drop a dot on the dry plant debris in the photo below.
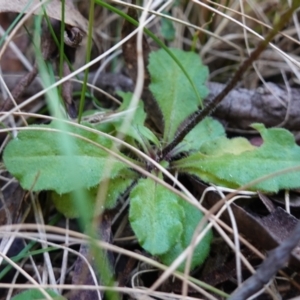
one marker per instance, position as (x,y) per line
(246,223)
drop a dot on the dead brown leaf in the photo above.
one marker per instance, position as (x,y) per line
(265,232)
(53,9)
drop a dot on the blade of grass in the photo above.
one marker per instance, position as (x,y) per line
(60,45)
(16,20)
(85,218)
(25,251)
(61,48)
(88,58)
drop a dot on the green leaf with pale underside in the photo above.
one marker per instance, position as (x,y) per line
(192,220)
(136,129)
(45,160)
(171,88)
(224,145)
(207,130)
(235,162)
(155,216)
(167,28)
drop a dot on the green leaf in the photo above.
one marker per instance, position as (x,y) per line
(153,36)
(65,203)
(207,130)
(136,130)
(224,145)
(118,185)
(155,216)
(105,127)
(139,113)
(235,162)
(191,221)
(43,160)
(37,295)
(171,88)
(141,134)
(167,28)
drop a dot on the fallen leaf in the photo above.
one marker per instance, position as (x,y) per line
(294,199)
(53,9)
(265,232)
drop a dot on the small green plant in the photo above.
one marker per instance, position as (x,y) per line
(37,295)
(163,222)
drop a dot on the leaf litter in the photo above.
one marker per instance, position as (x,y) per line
(266,229)
(53,8)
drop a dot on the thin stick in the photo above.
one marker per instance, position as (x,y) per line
(275,261)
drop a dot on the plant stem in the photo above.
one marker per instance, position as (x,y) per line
(199,115)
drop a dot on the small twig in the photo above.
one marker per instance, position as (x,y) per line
(275,261)
(199,115)
(66,92)
(19,88)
